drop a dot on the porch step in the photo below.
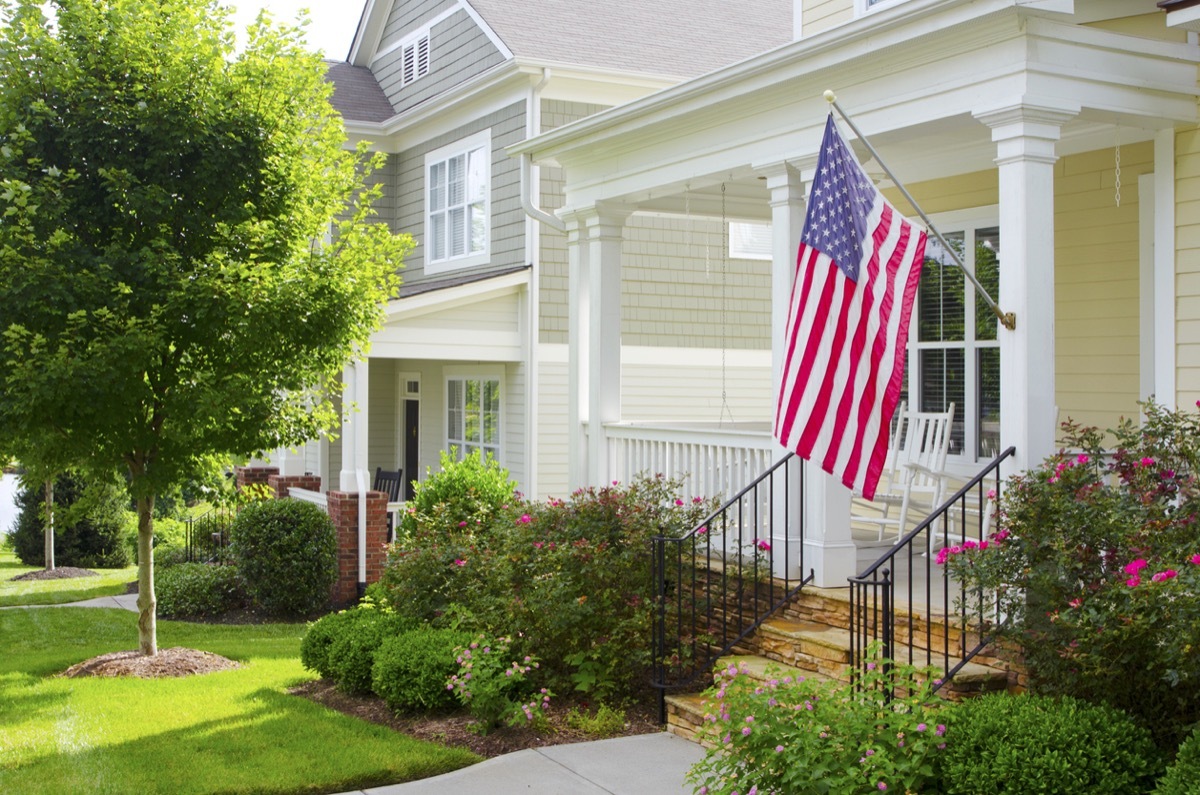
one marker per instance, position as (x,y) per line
(806,645)
(685,715)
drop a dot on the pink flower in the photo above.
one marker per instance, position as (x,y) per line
(701,531)
(462,524)
(1165,575)
(1082,458)
(942,556)
(697,500)
(525,519)
(1147,461)
(1076,602)
(459,562)
(779,749)
(678,502)
(1195,559)
(881,785)
(746,731)
(538,544)
(1136,566)
(991,495)
(763,544)
(1134,581)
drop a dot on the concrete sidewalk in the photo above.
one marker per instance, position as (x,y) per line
(126,601)
(646,764)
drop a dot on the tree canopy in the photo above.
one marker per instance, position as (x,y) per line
(186,244)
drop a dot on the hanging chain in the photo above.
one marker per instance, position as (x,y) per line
(724,309)
(1118,173)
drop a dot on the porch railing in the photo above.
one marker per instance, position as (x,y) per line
(306,495)
(720,581)
(935,623)
(709,460)
(207,534)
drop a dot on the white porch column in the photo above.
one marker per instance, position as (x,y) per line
(1025,134)
(594,236)
(354,427)
(820,522)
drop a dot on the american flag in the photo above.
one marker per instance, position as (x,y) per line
(856,280)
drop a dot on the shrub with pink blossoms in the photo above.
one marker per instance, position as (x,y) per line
(1098,572)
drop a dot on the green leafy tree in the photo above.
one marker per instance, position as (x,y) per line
(166,291)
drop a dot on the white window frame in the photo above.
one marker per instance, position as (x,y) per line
(414,57)
(750,240)
(862,7)
(453,437)
(967,223)
(475,155)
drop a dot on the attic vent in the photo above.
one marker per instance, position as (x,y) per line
(415,59)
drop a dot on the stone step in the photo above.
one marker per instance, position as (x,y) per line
(685,714)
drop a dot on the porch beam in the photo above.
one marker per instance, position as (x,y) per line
(1026,133)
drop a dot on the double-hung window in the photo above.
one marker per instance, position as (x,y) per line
(473,415)
(954,353)
(458,179)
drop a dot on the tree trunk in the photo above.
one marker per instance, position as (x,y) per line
(48,530)
(147,605)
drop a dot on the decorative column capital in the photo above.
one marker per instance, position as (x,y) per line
(785,180)
(1027,129)
(595,221)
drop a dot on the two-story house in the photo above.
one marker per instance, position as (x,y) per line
(474,353)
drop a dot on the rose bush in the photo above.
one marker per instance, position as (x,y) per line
(1095,569)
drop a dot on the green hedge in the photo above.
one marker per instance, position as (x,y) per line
(286,551)
(198,590)
(411,670)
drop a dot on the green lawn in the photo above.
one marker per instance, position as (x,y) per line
(230,732)
(53,592)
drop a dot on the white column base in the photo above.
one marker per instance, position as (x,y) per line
(832,563)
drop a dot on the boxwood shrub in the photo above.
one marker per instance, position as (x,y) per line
(1027,745)
(341,646)
(287,553)
(1183,776)
(411,669)
(198,590)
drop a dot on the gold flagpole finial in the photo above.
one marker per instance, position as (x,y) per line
(830,97)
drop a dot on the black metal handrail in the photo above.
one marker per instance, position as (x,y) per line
(716,584)
(207,534)
(947,621)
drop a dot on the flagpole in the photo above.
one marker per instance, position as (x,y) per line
(1007,319)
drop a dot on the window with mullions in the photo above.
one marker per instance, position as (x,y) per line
(954,354)
(473,416)
(457,185)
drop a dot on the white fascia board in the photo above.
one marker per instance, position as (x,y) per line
(460,295)
(1185,18)
(487,29)
(369,32)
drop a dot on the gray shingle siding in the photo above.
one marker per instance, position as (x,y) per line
(507,232)
(458,50)
(407,17)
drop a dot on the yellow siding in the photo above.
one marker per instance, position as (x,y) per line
(980,189)
(1149,26)
(819,15)
(1096,284)
(1187,267)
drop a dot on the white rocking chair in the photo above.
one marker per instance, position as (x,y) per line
(916,477)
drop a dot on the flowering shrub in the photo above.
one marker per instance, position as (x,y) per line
(569,579)
(808,735)
(490,684)
(1096,566)
(445,536)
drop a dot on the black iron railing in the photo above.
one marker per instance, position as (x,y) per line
(906,600)
(208,534)
(719,582)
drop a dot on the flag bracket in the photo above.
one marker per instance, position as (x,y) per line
(1007,319)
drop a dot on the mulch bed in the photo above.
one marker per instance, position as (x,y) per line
(60,573)
(457,729)
(173,662)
